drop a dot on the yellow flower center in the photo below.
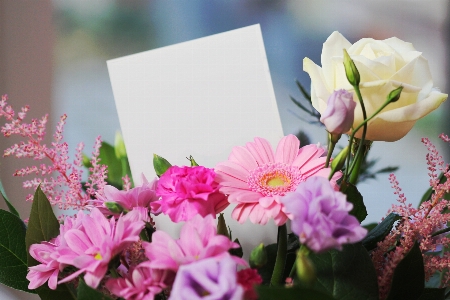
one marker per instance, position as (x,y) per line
(277,180)
(98,256)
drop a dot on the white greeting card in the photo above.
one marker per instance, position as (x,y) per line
(199,98)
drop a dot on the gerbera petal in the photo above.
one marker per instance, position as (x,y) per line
(232,169)
(287,149)
(263,148)
(243,157)
(242,211)
(306,153)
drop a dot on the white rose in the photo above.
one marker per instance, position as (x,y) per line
(383,66)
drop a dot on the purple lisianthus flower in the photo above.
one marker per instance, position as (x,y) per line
(339,115)
(210,278)
(320,216)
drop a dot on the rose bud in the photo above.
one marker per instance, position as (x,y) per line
(339,115)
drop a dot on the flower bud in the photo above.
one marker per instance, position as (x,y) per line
(394,95)
(160,164)
(351,71)
(114,207)
(338,162)
(339,115)
(222,226)
(305,269)
(193,162)
(258,256)
(119,146)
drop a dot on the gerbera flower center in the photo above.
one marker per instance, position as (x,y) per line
(98,256)
(274,179)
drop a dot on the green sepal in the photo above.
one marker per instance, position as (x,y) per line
(380,231)
(237,251)
(160,165)
(193,162)
(395,94)
(222,226)
(114,207)
(351,71)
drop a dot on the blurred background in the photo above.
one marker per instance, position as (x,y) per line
(53,57)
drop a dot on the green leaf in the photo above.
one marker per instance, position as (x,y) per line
(433,294)
(348,274)
(42,225)
(11,208)
(160,165)
(270,293)
(354,196)
(62,292)
(380,231)
(13,256)
(108,157)
(85,292)
(409,276)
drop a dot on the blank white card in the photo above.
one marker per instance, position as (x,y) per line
(199,98)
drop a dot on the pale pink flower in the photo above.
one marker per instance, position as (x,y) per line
(189,191)
(49,267)
(140,196)
(141,283)
(91,247)
(339,115)
(255,178)
(198,240)
(320,216)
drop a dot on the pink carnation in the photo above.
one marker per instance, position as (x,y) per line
(255,178)
(189,191)
(198,240)
(320,216)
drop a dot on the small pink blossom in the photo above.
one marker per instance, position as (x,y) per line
(91,247)
(339,114)
(198,240)
(141,283)
(140,196)
(255,177)
(49,268)
(189,191)
(320,216)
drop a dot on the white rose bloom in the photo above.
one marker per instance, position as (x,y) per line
(383,66)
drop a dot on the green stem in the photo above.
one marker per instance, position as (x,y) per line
(114,273)
(280,261)
(332,141)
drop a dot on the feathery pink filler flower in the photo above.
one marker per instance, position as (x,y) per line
(255,178)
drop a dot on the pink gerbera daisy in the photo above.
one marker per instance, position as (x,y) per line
(255,178)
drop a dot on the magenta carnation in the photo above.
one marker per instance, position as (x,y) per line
(189,191)
(320,216)
(255,178)
(198,240)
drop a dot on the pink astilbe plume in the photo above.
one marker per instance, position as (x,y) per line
(422,225)
(59,179)
(256,178)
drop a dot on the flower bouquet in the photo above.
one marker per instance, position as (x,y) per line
(107,246)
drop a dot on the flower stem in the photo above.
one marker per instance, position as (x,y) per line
(280,261)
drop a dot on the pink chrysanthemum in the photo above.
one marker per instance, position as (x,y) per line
(255,178)
(198,240)
(141,282)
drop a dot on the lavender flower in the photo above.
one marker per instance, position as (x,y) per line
(339,115)
(209,278)
(320,216)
